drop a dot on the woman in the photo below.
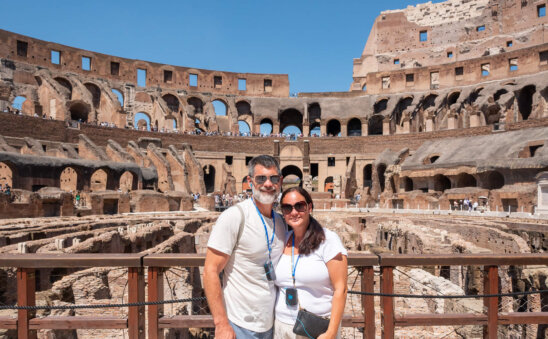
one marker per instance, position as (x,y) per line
(312,273)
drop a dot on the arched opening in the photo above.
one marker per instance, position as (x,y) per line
(18,103)
(66,84)
(196,105)
(291,117)
(400,108)
(380,106)
(374,126)
(367,175)
(95,92)
(293,176)
(119,95)
(99,180)
(172,102)
(79,112)
(245,185)
(68,181)
(292,130)
(266,127)
(465,180)
(243,108)
(328,185)
(499,93)
(429,101)
(314,119)
(441,183)
(492,180)
(219,107)
(315,129)
(525,101)
(142,121)
(333,128)
(380,173)
(126,181)
(474,95)
(452,98)
(209,178)
(407,184)
(243,128)
(197,126)
(354,127)
(6,174)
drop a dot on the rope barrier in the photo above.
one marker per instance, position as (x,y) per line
(175,301)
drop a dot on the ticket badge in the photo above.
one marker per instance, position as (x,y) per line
(291,297)
(269,270)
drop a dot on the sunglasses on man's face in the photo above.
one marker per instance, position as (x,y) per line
(299,207)
(261,179)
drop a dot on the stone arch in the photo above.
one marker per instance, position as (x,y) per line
(441,183)
(7,172)
(397,114)
(95,93)
(525,101)
(197,105)
(314,113)
(380,105)
(374,125)
(267,127)
(328,185)
(143,121)
(127,181)
(243,108)
(499,93)
(452,98)
(368,175)
(65,84)
(291,117)
(68,180)
(492,180)
(407,184)
(18,102)
(209,178)
(244,127)
(293,176)
(220,107)
(119,95)
(172,102)
(381,168)
(354,127)
(474,95)
(465,180)
(79,111)
(333,128)
(429,101)
(99,180)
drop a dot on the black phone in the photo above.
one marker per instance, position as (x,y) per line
(269,270)
(291,297)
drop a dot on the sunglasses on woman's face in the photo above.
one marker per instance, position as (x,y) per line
(261,179)
(299,207)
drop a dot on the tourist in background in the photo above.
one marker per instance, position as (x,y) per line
(312,273)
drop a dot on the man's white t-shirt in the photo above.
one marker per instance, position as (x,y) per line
(314,288)
(249,296)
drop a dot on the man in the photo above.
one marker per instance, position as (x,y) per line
(244,307)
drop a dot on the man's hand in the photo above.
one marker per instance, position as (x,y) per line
(224,331)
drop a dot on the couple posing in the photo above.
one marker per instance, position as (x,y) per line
(270,273)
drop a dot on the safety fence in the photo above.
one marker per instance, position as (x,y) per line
(153,267)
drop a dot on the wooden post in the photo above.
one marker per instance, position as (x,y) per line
(25,297)
(387,303)
(368,302)
(491,286)
(155,293)
(136,293)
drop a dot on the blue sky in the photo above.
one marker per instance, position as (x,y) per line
(313,42)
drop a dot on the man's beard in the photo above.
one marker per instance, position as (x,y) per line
(264,197)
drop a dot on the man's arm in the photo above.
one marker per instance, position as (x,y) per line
(215,262)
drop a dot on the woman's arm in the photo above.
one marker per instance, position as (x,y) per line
(338,274)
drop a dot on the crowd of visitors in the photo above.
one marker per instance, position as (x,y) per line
(467,205)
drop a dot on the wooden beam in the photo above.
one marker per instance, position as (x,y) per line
(387,303)
(368,302)
(155,293)
(390,259)
(136,293)
(491,286)
(8,323)
(71,323)
(523,318)
(441,319)
(39,260)
(26,283)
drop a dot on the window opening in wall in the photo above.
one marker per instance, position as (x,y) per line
(434,80)
(114,68)
(409,79)
(141,77)
(385,82)
(314,169)
(247,160)
(18,102)
(485,70)
(423,35)
(533,149)
(541,10)
(449,54)
(219,107)
(459,72)
(331,161)
(55,57)
(267,85)
(22,48)
(543,56)
(347,160)
(242,84)
(244,128)
(217,81)
(193,80)
(229,159)
(480,28)
(396,61)
(86,63)
(364,87)
(513,64)
(509,43)
(168,76)
(119,96)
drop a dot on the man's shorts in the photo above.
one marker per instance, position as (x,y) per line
(242,333)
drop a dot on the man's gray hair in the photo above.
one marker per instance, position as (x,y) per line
(264,160)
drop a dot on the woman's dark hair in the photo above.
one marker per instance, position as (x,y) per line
(314,234)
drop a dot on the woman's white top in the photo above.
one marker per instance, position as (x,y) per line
(314,288)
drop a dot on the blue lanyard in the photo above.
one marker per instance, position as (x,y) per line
(294,268)
(268,243)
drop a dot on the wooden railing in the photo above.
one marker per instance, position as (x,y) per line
(27,324)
